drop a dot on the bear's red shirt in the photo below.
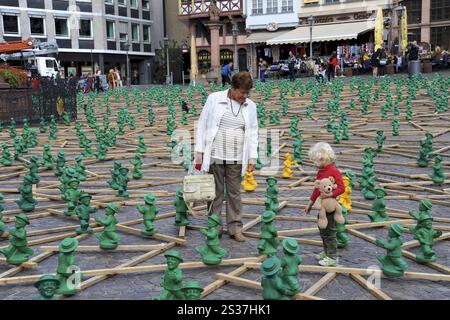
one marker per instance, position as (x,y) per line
(325,172)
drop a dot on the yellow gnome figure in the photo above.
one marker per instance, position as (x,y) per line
(288,162)
(249,182)
(345,198)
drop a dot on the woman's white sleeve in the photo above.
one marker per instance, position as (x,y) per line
(201,126)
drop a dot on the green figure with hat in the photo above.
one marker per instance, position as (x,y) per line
(380,138)
(3,226)
(80,168)
(172,280)
(72,196)
(68,273)
(66,118)
(149,212)
(424,233)
(26,201)
(101,151)
(272,203)
(33,166)
(42,126)
(47,286)
(115,172)
(18,250)
(379,207)
(395,127)
(268,243)
(109,239)
(181,209)
(192,290)
(47,158)
(142,148)
(137,166)
(352,176)
(18,148)
(60,162)
(438,174)
(341,234)
(289,264)
(83,212)
(6,158)
(368,185)
(392,263)
(212,253)
(122,182)
(298,150)
(69,173)
(272,283)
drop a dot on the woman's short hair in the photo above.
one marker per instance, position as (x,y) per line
(321,149)
(242,80)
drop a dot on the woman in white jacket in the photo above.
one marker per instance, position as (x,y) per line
(226,146)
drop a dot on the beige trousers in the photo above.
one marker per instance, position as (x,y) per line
(228,176)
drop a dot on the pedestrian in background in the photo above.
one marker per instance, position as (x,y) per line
(226,73)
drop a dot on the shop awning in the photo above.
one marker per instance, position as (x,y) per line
(264,36)
(326,32)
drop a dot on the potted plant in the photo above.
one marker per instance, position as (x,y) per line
(13,77)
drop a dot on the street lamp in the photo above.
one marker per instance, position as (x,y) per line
(399,10)
(166,44)
(184,49)
(126,47)
(311,21)
(235,32)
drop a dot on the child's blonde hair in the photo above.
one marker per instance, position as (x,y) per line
(321,150)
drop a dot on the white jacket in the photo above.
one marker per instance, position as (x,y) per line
(208,125)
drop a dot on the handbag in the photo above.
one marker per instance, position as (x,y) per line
(383,62)
(198,187)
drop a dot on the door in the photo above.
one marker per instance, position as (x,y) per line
(242,59)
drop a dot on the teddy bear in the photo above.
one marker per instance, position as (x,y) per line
(328,202)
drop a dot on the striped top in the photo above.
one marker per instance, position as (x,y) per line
(228,143)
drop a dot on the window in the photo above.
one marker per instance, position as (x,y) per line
(61,27)
(133,4)
(331,1)
(226,56)
(440,36)
(440,10)
(37,26)
(109,2)
(123,31)
(272,6)
(85,28)
(146,4)
(122,2)
(414,8)
(146,34)
(134,32)
(414,35)
(110,30)
(287,6)
(10,24)
(257,7)
(204,61)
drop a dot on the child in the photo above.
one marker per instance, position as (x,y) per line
(321,74)
(323,156)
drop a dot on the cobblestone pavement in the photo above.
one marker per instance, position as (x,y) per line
(359,253)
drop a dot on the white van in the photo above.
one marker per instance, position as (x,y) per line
(44,66)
